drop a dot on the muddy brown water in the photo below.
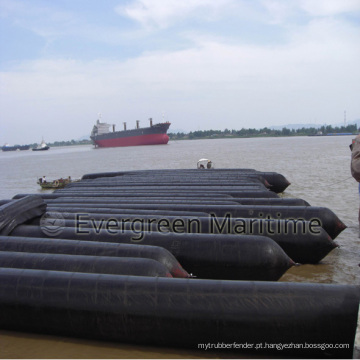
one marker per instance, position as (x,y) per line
(317,167)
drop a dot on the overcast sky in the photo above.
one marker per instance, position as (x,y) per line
(200,64)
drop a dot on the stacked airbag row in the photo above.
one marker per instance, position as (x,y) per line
(91,282)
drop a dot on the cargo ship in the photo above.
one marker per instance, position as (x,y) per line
(7,147)
(155,134)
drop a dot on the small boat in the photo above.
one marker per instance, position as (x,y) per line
(54,184)
(41,147)
(205,164)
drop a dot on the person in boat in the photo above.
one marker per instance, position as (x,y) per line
(209,164)
(201,166)
(44,179)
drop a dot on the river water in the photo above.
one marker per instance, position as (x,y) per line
(317,167)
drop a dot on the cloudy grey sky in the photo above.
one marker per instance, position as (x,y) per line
(200,64)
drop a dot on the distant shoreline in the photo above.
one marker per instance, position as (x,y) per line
(265,132)
(59,143)
(233,134)
(259,136)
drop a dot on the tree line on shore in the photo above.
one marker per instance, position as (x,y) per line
(210,134)
(70,142)
(311,131)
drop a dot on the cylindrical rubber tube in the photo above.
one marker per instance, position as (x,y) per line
(197,194)
(122,211)
(277,181)
(160,183)
(83,263)
(76,247)
(174,188)
(123,201)
(183,312)
(324,216)
(180,200)
(206,256)
(301,240)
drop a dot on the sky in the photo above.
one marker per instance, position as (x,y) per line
(200,64)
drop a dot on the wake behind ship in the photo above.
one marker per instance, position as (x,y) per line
(155,134)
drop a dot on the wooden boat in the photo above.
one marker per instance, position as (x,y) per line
(54,184)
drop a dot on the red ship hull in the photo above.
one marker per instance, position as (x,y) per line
(148,139)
